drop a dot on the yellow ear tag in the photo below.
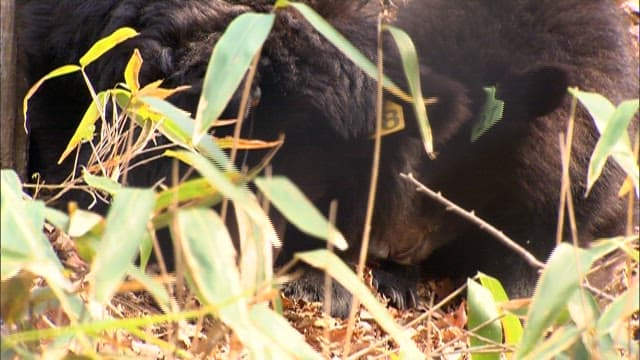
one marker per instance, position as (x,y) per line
(392,118)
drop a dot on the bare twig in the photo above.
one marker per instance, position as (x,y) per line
(565,191)
(631,197)
(565,158)
(567,196)
(469,215)
(333,210)
(244,102)
(366,233)
(492,346)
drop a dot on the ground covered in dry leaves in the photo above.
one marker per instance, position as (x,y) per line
(437,325)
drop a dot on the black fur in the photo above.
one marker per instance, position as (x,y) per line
(530,49)
(309,91)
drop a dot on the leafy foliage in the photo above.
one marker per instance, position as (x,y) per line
(236,288)
(491,113)
(612,123)
(110,244)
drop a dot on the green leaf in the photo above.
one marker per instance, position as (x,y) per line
(482,309)
(281,333)
(217,178)
(132,71)
(559,281)
(87,126)
(615,319)
(256,262)
(102,182)
(560,340)
(146,248)
(11,189)
(105,44)
(23,244)
(210,259)
(492,112)
(584,311)
(412,72)
(510,323)
(598,249)
(612,141)
(125,226)
(57,218)
(602,110)
(192,189)
(82,221)
(241,197)
(336,268)
(230,59)
(599,107)
(295,206)
(177,125)
(341,43)
(624,306)
(214,271)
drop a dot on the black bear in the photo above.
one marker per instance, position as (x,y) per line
(511,175)
(308,90)
(530,50)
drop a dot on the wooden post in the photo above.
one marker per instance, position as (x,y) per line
(12,86)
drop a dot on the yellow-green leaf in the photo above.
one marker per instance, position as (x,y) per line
(222,181)
(105,44)
(193,189)
(612,142)
(481,310)
(125,227)
(154,90)
(412,72)
(298,209)
(558,282)
(491,113)
(339,41)
(86,128)
(510,323)
(132,71)
(602,111)
(101,182)
(178,126)
(229,62)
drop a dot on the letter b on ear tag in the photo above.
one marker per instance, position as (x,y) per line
(392,118)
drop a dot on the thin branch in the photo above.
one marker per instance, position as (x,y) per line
(566,195)
(375,167)
(631,196)
(470,216)
(333,211)
(244,103)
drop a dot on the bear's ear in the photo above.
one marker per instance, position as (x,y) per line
(536,91)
